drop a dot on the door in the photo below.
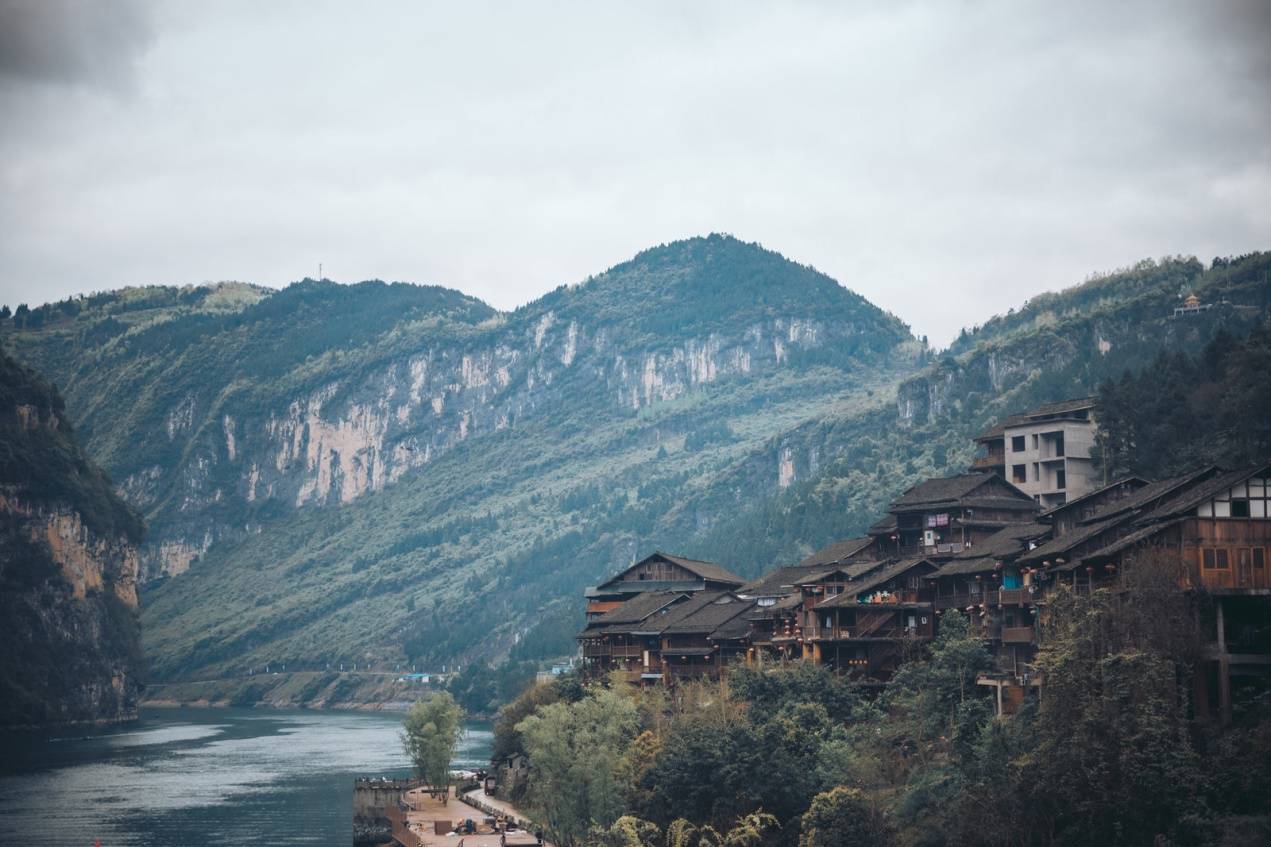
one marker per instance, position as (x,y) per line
(1242,568)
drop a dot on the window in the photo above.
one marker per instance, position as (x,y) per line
(1036,441)
(1037,472)
(1059,445)
(1061,479)
(1240,508)
(1259,557)
(1019,473)
(1220,560)
(1017,444)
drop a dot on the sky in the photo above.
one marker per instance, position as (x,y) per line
(946,160)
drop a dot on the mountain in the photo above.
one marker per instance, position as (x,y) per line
(68,569)
(392,473)
(840,470)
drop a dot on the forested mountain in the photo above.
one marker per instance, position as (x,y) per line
(68,569)
(391,472)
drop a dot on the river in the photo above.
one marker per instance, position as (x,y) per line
(202,776)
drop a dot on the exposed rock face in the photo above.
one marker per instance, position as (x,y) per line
(68,570)
(387,452)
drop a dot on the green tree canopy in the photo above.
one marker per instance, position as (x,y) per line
(430,735)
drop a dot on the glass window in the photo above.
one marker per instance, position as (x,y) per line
(1220,559)
(1017,444)
(1019,473)
(1207,558)
(1259,557)
(1240,508)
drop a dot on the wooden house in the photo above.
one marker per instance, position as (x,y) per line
(692,639)
(658,572)
(946,516)
(627,638)
(860,629)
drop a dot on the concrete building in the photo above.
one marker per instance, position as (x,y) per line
(1046,452)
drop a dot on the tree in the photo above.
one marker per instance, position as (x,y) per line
(1112,760)
(840,817)
(575,750)
(626,831)
(430,735)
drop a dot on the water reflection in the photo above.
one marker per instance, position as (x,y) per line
(215,776)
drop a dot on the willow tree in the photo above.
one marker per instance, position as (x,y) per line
(431,734)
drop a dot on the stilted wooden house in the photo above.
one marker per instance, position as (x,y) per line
(659,572)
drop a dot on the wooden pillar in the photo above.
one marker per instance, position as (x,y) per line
(999,699)
(1224,668)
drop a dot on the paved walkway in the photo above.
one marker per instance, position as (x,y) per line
(427,811)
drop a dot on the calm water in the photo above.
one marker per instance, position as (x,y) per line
(202,777)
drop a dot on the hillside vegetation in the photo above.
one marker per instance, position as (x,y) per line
(394,474)
(400,474)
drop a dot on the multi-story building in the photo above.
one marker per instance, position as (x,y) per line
(1046,452)
(658,572)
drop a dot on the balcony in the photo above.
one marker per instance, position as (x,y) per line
(964,599)
(626,651)
(989,462)
(1015,597)
(1017,635)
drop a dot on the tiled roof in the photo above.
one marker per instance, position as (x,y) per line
(838,551)
(1061,545)
(738,627)
(707,617)
(1152,492)
(778,582)
(706,570)
(634,611)
(853,590)
(1188,499)
(1008,541)
(960,490)
(1091,494)
(964,567)
(885,524)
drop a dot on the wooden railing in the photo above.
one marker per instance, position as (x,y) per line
(1017,635)
(1015,597)
(626,651)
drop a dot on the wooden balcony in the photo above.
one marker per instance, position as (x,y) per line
(1017,635)
(626,651)
(961,601)
(1015,597)
(989,462)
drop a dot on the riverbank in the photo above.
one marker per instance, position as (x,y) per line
(350,691)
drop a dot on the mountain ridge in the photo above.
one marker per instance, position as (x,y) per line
(437,445)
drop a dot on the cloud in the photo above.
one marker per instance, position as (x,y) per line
(78,42)
(946,160)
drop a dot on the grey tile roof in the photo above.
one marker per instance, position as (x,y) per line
(706,570)
(838,551)
(854,590)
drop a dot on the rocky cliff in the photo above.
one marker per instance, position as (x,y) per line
(344,471)
(68,569)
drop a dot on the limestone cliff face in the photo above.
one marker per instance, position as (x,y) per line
(358,434)
(68,570)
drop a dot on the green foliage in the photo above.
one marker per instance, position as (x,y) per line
(1182,410)
(841,817)
(575,750)
(626,831)
(480,688)
(430,734)
(43,460)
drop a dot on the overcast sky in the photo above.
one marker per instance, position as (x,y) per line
(946,160)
